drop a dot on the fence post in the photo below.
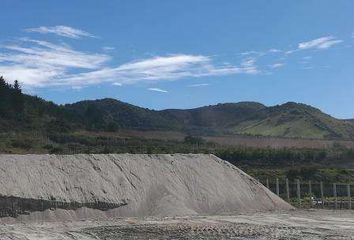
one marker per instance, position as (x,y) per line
(298,191)
(322,195)
(267,183)
(335,196)
(277,185)
(310,188)
(287,189)
(349,197)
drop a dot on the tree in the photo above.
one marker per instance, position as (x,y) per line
(18,102)
(94,117)
(17,86)
(4,93)
(3,83)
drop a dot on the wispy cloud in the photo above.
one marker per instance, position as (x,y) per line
(249,66)
(38,53)
(157,90)
(277,65)
(160,68)
(41,63)
(199,85)
(64,31)
(247,53)
(274,50)
(320,43)
(108,48)
(283,54)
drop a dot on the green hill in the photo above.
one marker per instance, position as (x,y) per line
(110,115)
(21,113)
(295,120)
(214,119)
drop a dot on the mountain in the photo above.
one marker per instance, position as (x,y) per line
(293,120)
(111,114)
(214,119)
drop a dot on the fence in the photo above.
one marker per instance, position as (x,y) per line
(312,194)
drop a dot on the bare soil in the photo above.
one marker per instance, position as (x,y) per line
(300,224)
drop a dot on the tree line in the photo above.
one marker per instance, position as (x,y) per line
(271,156)
(11,99)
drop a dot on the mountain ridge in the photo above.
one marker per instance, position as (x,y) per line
(290,119)
(293,120)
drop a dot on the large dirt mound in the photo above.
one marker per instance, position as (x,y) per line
(131,185)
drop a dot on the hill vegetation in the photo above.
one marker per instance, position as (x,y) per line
(20,112)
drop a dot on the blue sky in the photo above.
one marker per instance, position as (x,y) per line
(182,54)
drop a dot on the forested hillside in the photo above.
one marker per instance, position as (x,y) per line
(21,112)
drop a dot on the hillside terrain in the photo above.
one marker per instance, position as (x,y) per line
(20,112)
(295,120)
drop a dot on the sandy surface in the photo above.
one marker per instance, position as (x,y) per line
(316,224)
(139,184)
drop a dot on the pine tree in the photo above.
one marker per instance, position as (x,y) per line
(17,86)
(4,90)
(17,98)
(2,82)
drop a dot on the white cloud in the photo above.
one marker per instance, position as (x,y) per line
(40,63)
(320,43)
(64,31)
(157,90)
(40,53)
(248,65)
(274,50)
(199,85)
(277,65)
(249,53)
(108,48)
(160,68)
(29,76)
(288,52)
(253,53)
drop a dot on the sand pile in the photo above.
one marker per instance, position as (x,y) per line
(131,185)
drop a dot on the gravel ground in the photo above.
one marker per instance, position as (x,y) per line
(316,224)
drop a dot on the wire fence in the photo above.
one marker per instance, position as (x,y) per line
(309,194)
